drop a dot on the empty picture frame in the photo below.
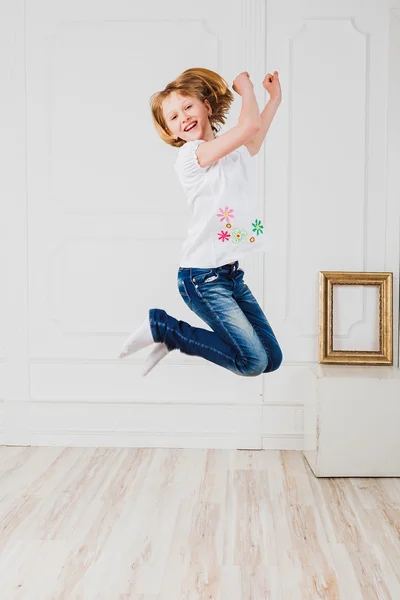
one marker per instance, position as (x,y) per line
(384,354)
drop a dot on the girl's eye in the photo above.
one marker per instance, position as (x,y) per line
(186,109)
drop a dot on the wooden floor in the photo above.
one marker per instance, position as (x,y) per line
(147,524)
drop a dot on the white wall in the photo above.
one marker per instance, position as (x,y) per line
(92,216)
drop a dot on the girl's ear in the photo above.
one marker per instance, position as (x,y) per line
(206,102)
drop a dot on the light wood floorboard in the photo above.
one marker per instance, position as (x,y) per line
(183,524)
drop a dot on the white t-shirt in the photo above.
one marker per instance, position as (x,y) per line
(225,224)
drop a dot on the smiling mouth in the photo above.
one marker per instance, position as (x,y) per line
(191,128)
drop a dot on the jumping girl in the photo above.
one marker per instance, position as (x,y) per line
(215,173)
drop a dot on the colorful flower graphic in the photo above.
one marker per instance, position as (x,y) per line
(224,236)
(258,227)
(239,235)
(226,214)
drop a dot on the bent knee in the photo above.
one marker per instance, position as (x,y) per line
(253,366)
(275,360)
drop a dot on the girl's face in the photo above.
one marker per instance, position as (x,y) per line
(181,112)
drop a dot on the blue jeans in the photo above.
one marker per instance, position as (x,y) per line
(242,340)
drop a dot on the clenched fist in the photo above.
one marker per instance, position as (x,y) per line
(272,85)
(241,82)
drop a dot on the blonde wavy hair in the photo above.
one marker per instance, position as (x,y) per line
(202,84)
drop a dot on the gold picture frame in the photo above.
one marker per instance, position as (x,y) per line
(327,279)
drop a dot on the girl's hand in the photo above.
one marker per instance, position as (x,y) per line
(241,82)
(272,85)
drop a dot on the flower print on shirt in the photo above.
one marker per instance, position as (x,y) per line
(224,236)
(258,227)
(239,235)
(226,214)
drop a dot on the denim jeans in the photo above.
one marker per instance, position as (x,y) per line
(242,339)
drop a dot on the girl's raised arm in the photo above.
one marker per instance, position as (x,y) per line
(248,126)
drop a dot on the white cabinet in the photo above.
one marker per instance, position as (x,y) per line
(351,421)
